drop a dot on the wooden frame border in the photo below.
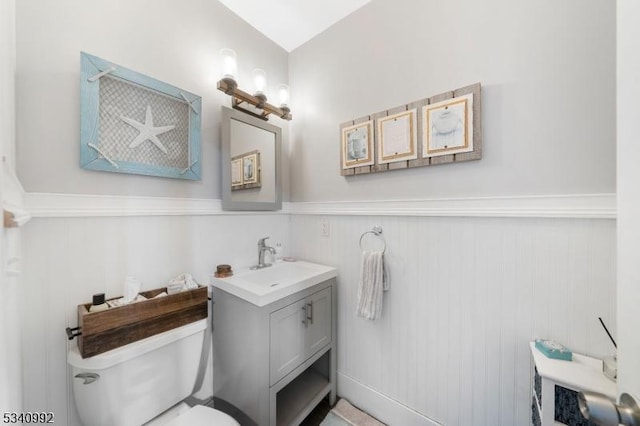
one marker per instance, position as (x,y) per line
(476,154)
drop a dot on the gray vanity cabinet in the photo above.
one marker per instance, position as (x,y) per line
(276,362)
(298,331)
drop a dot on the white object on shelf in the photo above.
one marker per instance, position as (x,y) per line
(584,373)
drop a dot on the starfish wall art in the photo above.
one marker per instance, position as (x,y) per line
(132,123)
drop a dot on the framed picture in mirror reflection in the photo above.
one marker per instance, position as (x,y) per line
(246,171)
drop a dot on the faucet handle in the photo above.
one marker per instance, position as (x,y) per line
(261,241)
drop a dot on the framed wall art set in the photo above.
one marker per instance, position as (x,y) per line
(437,130)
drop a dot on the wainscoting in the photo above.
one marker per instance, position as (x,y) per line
(466,296)
(472,281)
(66,260)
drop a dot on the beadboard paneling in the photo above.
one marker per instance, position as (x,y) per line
(467,294)
(66,260)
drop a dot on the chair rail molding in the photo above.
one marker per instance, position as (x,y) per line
(87,205)
(584,206)
(587,206)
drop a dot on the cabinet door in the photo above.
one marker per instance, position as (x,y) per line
(318,330)
(287,339)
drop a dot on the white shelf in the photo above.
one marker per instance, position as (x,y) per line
(580,374)
(584,373)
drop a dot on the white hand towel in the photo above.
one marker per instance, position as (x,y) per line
(373,281)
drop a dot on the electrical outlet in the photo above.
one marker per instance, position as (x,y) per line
(325,229)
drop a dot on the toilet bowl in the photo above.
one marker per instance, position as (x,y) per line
(135,383)
(201,415)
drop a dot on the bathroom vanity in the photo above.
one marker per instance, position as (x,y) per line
(274,340)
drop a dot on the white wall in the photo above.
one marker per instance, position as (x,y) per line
(174,42)
(10,302)
(547,70)
(628,197)
(467,293)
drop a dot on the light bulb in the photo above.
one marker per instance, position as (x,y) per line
(259,81)
(283,95)
(229,64)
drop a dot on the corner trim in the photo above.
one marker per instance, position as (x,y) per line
(581,206)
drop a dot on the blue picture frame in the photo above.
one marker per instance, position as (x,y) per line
(132,123)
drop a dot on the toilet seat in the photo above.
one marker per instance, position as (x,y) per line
(200,415)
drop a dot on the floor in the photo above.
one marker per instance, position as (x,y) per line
(318,414)
(313,419)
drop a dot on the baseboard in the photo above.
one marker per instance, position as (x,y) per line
(380,406)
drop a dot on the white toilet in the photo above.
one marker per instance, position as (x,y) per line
(133,384)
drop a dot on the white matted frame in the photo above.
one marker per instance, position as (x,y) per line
(448,127)
(357,145)
(397,137)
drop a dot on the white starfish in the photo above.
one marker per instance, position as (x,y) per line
(147,130)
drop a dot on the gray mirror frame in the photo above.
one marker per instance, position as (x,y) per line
(229,114)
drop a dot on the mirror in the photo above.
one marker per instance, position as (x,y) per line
(250,163)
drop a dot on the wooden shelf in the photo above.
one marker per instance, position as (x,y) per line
(296,400)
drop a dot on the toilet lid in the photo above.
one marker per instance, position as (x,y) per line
(201,415)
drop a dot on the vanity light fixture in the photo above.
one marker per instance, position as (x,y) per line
(229,85)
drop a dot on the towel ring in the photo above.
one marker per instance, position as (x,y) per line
(377,231)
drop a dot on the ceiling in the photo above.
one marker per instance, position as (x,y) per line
(291,23)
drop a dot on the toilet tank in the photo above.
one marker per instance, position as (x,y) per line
(138,381)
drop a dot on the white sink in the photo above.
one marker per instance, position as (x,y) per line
(266,285)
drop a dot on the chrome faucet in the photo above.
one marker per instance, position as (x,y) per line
(262,248)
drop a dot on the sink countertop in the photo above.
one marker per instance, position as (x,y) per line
(267,285)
